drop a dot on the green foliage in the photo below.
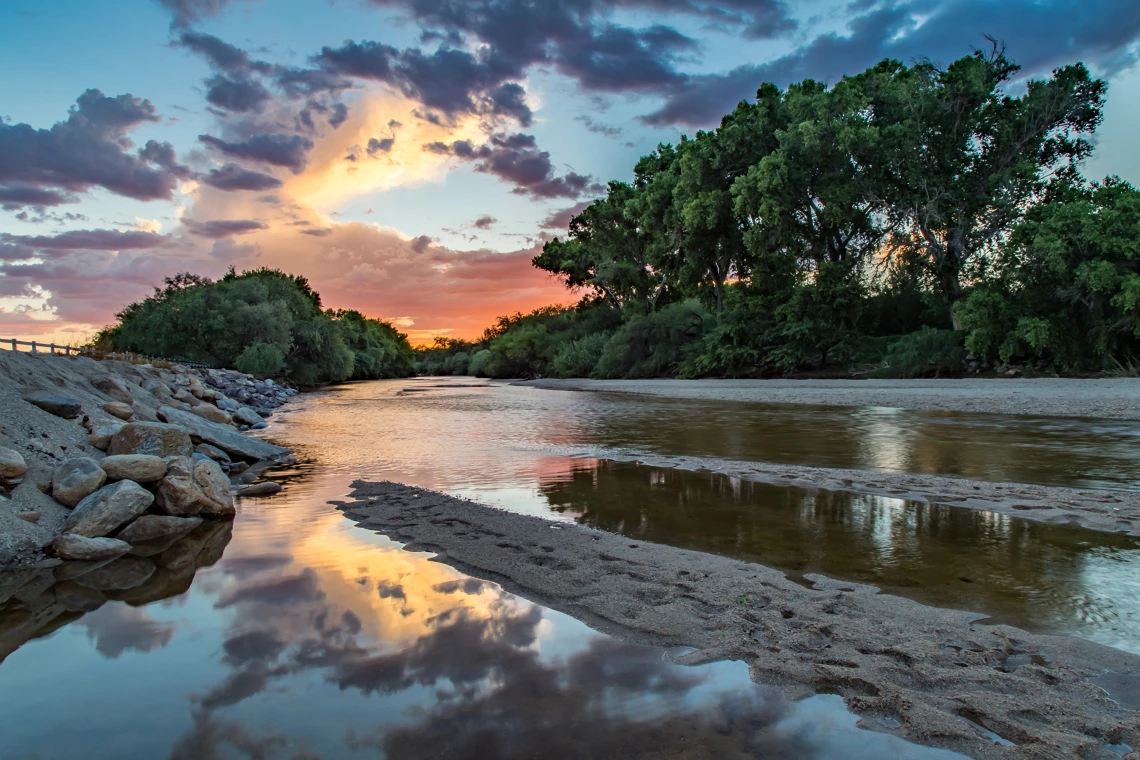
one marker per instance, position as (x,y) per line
(579,357)
(260,360)
(655,344)
(264,322)
(925,353)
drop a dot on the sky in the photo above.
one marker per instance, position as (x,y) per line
(410,157)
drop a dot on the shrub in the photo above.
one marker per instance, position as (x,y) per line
(579,357)
(260,360)
(925,353)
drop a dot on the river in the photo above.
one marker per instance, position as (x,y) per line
(302,636)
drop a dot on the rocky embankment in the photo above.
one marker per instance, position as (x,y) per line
(108,460)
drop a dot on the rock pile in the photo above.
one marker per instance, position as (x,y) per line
(105,459)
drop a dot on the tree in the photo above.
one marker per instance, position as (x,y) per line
(960,161)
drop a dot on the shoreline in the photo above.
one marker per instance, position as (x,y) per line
(1103,511)
(1107,398)
(929,669)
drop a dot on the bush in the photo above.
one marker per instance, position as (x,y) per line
(654,344)
(579,357)
(260,360)
(925,353)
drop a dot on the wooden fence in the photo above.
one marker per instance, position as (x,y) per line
(37,347)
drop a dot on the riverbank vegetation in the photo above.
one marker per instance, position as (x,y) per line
(262,322)
(909,220)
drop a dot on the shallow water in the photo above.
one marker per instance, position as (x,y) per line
(303,636)
(298,635)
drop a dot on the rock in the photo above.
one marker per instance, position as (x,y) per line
(153,438)
(213,452)
(115,388)
(194,487)
(223,436)
(194,385)
(259,426)
(121,574)
(186,397)
(108,508)
(247,476)
(76,547)
(32,517)
(247,416)
(238,468)
(154,528)
(116,409)
(101,437)
(156,388)
(211,413)
(75,480)
(266,488)
(225,404)
(60,406)
(141,468)
(12,464)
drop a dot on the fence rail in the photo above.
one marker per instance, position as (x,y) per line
(11,344)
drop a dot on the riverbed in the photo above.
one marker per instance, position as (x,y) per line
(311,637)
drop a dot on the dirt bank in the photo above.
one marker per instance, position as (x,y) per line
(1116,398)
(936,674)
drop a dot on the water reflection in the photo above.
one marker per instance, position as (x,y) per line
(311,638)
(1033,575)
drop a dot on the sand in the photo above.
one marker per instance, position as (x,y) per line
(929,669)
(1115,398)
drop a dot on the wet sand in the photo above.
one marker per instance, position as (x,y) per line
(1105,511)
(940,676)
(1112,398)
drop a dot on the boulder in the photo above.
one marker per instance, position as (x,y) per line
(247,416)
(223,436)
(75,598)
(213,452)
(265,488)
(101,436)
(76,547)
(75,480)
(141,468)
(12,464)
(60,406)
(194,487)
(186,397)
(154,528)
(194,385)
(108,508)
(153,438)
(117,409)
(211,413)
(115,388)
(156,388)
(226,404)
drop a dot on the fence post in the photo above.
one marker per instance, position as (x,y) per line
(53,348)
(13,344)
(33,346)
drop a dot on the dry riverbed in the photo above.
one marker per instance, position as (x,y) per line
(935,676)
(1111,398)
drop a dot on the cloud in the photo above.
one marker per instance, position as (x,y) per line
(1040,36)
(89,240)
(516,159)
(118,628)
(598,128)
(186,12)
(234,177)
(222,228)
(380,146)
(220,54)
(290,151)
(560,220)
(17,196)
(237,94)
(89,149)
(485,222)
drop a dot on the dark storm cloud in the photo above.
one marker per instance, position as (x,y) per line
(380,146)
(237,94)
(163,154)
(517,159)
(235,177)
(220,54)
(223,228)
(485,222)
(1039,35)
(17,196)
(339,115)
(291,151)
(89,149)
(89,240)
